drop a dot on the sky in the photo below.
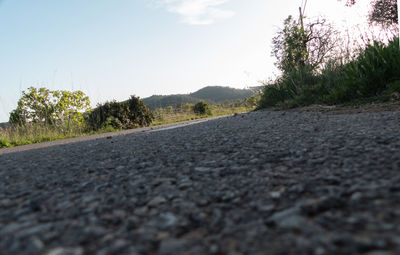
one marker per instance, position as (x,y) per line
(111,49)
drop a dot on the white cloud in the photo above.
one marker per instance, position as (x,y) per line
(198,12)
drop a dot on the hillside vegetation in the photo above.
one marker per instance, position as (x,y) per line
(210,94)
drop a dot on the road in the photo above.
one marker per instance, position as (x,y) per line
(266,182)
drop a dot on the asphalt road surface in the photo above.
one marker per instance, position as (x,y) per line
(267,182)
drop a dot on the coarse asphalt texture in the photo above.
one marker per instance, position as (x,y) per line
(265,182)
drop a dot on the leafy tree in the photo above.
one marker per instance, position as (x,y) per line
(202,108)
(383,12)
(289,47)
(50,107)
(297,46)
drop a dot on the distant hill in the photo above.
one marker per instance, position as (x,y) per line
(219,94)
(155,101)
(210,94)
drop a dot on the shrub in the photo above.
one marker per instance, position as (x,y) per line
(272,94)
(120,115)
(393,87)
(202,108)
(287,87)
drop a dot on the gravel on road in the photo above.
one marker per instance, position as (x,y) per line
(266,182)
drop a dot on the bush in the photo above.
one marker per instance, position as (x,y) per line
(202,108)
(272,94)
(287,87)
(120,115)
(393,87)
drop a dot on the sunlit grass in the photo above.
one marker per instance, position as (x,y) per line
(164,117)
(29,134)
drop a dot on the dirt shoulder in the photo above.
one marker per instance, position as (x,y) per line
(353,109)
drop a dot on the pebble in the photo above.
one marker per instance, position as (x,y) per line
(156,201)
(66,251)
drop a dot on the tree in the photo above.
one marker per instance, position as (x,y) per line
(288,46)
(383,12)
(298,45)
(50,107)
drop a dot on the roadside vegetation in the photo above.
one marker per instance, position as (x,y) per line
(43,115)
(185,112)
(319,66)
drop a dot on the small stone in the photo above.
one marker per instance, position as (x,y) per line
(319,251)
(281,168)
(119,168)
(164,221)
(356,196)
(319,205)
(202,202)
(35,244)
(214,249)
(266,208)
(141,211)
(159,181)
(203,169)
(275,194)
(293,222)
(380,253)
(184,185)
(115,248)
(162,235)
(34,230)
(289,218)
(66,251)
(156,201)
(284,214)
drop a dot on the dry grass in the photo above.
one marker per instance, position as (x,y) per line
(29,134)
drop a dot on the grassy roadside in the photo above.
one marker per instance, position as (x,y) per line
(174,117)
(373,76)
(18,136)
(30,134)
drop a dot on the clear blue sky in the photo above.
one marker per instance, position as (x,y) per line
(111,49)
